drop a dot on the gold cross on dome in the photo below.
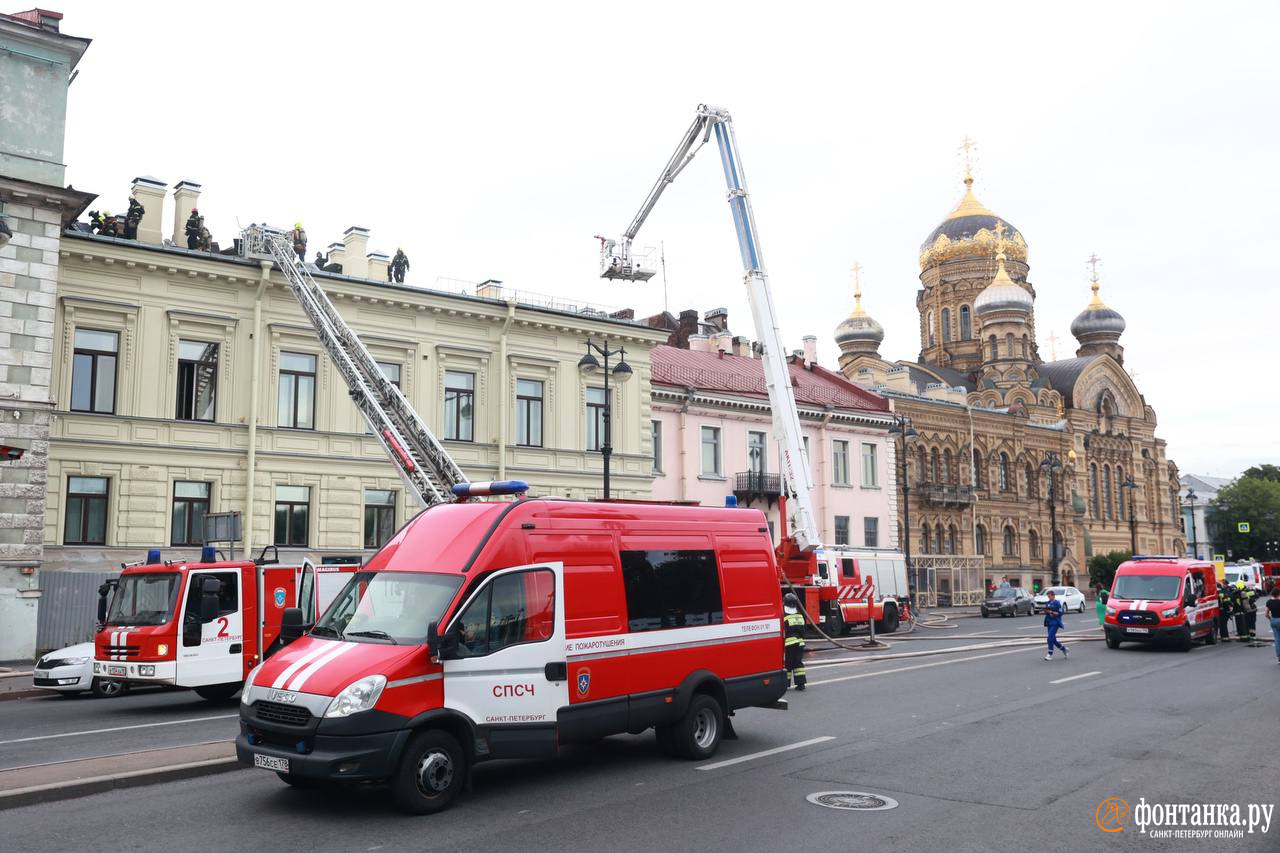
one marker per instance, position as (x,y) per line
(856,269)
(1093,262)
(967,149)
(1053,346)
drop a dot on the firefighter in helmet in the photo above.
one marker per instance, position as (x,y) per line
(399,264)
(1246,613)
(193,229)
(299,237)
(793,645)
(1224,611)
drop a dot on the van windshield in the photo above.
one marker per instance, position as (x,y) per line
(144,599)
(1151,587)
(388,607)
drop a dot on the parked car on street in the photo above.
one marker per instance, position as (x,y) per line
(70,671)
(1007,601)
(1071,598)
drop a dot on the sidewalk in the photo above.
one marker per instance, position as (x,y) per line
(15,681)
(64,780)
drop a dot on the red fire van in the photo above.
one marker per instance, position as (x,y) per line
(1173,599)
(508,630)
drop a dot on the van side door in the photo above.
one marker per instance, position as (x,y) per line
(211,635)
(507,671)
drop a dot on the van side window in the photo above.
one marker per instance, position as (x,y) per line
(514,609)
(846,565)
(228,596)
(671,589)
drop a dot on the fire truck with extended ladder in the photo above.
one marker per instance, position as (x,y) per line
(205,624)
(838,586)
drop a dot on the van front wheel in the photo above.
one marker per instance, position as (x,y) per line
(431,773)
(697,734)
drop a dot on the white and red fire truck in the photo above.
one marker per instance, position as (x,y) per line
(204,625)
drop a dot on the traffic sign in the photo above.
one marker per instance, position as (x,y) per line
(1242,527)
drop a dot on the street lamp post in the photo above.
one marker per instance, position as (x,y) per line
(588,365)
(1131,486)
(1052,465)
(904,434)
(1195,546)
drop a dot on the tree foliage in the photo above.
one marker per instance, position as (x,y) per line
(1252,499)
(1102,567)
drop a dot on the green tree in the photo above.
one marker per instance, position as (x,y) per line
(1102,567)
(1262,472)
(1252,499)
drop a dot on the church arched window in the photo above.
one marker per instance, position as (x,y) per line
(978,479)
(1008,345)
(929,321)
(1010,548)
(1026,347)
(1004,472)
(948,467)
(980,539)
(1029,472)
(933,467)
(922,471)
(1106,492)
(951,539)
(937,540)
(966,323)
(1033,542)
(994,353)
(1120,493)
(946,325)
(1093,490)
(924,539)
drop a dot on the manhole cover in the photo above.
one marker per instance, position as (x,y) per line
(853,801)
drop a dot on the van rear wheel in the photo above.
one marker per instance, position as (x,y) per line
(697,734)
(432,773)
(890,622)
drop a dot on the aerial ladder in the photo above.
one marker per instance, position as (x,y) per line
(837,585)
(428,471)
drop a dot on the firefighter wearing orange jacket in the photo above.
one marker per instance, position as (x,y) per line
(793,645)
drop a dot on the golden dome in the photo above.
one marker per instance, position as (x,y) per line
(971,230)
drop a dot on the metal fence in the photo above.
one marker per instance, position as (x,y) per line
(948,580)
(68,607)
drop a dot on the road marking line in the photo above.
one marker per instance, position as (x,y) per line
(919,666)
(119,729)
(1074,677)
(717,765)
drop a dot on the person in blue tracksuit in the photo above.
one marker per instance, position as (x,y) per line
(1053,622)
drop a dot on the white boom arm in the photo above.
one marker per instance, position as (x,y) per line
(797,478)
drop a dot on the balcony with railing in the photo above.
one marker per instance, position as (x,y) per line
(943,494)
(756,485)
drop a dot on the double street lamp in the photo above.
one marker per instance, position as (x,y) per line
(1195,546)
(904,434)
(1052,465)
(1131,487)
(589,366)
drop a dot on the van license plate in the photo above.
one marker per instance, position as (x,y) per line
(117,670)
(1138,630)
(270,762)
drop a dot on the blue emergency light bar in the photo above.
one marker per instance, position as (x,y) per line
(490,487)
(153,557)
(208,554)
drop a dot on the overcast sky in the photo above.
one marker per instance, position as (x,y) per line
(494,140)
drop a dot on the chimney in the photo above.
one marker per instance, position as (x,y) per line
(699,343)
(688,325)
(336,255)
(742,346)
(490,288)
(724,342)
(378,266)
(355,250)
(810,351)
(717,318)
(185,196)
(150,194)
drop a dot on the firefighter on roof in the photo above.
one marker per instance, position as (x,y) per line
(793,646)
(193,229)
(299,237)
(399,264)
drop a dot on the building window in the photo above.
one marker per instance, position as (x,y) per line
(934,466)
(86,520)
(1106,492)
(190,505)
(946,325)
(1033,486)
(756,455)
(1004,472)
(459,405)
(1120,490)
(297,391)
(595,418)
(924,539)
(994,352)
(840,463)
(938,540)
(1010,543)
(1008,345)
(966,323)
(871,532)
(980,539)
(979,481)
(870,468)
(293,508)
(711,451)
(1093,490)
(922,469)
(391,371)
(528,412)
(656,427)
(93,371)
(842,530)
(948,470)
(1033,542)
(952,538)
(1026,347)
(197,380)
(671,589)
(932,338)
(379,516)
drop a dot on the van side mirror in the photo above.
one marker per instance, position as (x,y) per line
(292,625)
(442,646)
(433,639)
(1189,598)
(102,608)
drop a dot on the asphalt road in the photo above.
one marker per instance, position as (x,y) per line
(982,750)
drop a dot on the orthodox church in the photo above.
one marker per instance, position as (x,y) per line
(1007,454)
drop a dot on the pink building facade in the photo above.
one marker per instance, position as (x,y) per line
(713,437)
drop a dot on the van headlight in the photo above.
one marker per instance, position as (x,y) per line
(1111,611)
(76,661)
(359,696)
(248,682)
(1170,613)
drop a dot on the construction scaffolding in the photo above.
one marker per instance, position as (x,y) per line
(948,580)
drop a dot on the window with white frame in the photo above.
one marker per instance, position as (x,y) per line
(870,467)
(297,397)
(529,396)
(711,451)
(840,462)
(656,427)
(459,405)
(596,402)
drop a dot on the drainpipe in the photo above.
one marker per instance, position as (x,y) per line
(504,397)
(684,450)
(250,475)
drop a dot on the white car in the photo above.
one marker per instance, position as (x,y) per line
(1071,598)
(70,670)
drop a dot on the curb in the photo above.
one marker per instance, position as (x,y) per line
(98,784)
(25,693)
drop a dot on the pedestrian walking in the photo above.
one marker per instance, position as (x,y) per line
(1273,611)
(1053,622)
(1101,606)
(793,645)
